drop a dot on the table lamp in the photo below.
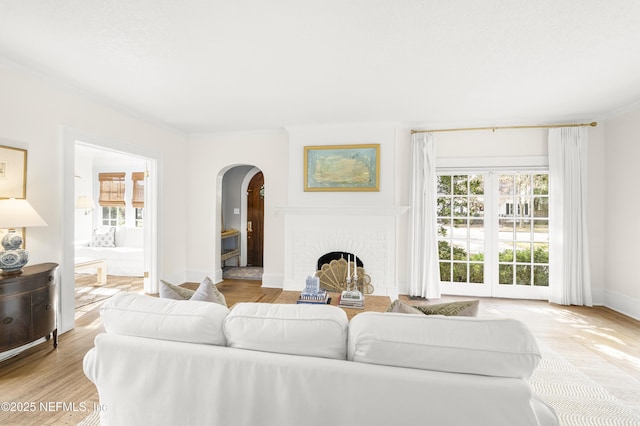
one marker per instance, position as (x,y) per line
(15,213)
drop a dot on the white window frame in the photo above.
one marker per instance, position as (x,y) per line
(494,165)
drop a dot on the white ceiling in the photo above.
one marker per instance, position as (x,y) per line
(213,65)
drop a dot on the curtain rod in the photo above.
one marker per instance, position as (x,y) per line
(542,126)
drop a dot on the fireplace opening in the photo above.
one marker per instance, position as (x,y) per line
(337,255)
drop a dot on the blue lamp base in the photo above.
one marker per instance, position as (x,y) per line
(13,258)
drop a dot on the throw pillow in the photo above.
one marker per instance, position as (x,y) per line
(207,291)
(467,308)
(175,292)
(400,307)
(103,238)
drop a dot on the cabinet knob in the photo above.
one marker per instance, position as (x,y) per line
(50,277)
(48,307)
(7,320)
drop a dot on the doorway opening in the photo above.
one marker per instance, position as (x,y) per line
(112,205)
(242,221)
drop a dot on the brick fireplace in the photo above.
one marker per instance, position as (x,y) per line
(370,234)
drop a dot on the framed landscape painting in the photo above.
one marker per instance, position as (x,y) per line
(342,167)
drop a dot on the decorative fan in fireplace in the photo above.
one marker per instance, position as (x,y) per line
(333,277)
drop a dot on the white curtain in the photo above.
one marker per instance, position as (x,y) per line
(570,278)
(424,278)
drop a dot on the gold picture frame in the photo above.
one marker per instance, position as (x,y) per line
(13,172)
(342,167)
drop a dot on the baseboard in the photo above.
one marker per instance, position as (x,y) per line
(197,276)
(622,303)
(598,296)
(272,280)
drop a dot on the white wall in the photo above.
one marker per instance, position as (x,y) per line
(83,184)
(621,248)
(210,156)
(212,153)
(45,117)
(231,197)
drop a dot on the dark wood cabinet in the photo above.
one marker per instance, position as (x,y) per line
(28,306)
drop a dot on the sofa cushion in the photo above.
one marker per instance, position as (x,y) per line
(206,292)
(491,347)
(133,314)
(465,308)
(309,330)
(103,237)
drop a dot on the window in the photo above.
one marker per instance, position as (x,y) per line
(112,198)
(493,232)
(137,198)
(523,237)
(113,216)
(461,228)
(111,189)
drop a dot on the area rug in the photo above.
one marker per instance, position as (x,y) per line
(88,291)
(92,419)
(577,399)
(242,273)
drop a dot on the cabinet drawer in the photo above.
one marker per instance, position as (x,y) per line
(15,321)
(43,313)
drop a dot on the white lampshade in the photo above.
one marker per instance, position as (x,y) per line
(84,202)
(18,213)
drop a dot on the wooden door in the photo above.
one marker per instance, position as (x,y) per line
(255,220)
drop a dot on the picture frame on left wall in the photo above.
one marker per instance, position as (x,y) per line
(13,172)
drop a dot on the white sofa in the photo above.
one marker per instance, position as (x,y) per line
(169,362)
(126,258)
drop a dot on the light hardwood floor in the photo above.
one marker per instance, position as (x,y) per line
(602,343)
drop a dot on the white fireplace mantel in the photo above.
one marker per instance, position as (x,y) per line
(369,232)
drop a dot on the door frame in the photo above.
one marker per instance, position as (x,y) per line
(243,213)
(70,136)
(491,166)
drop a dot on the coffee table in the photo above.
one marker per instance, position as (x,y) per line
(371,303)
(81,263)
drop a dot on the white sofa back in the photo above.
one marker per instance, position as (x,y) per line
(308,330)
(160,377)
(132,314)
(490,347)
